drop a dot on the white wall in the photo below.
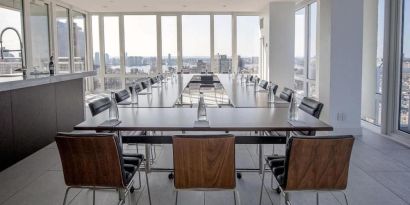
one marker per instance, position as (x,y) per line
(341,43)
(282,43)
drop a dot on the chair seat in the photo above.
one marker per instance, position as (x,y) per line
(277,165)
(133,159)
(131,164)
(302,133)
(275,161)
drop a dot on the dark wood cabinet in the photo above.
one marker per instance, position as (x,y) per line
(7,156)
(32,116)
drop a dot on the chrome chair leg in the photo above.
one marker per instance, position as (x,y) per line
(317,198)
(287,199)
(149,192)
(263,180)
(237,197)
(139,180)
(65,195)
(176,197)
(121,196)
(93,196)
(344,193)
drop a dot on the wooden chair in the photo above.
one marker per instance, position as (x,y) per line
(204,163)
(317,164)
(95,161)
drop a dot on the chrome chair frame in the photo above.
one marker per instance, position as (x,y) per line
(122,193)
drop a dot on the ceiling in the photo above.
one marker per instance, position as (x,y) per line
(169,5)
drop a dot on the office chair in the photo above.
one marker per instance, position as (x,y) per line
(95,161)
(319,164)
(204,163)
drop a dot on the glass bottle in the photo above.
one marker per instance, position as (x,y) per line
(149,87)
(271,97)
(113,110)
(51,65)
(293,109)
(201,108)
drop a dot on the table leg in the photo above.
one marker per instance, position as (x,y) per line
(260,155)
(148,157)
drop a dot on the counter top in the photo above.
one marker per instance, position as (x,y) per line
(13,82)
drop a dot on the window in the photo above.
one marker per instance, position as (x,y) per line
(169,43)
(248,43)
(196,48)
(63,40)
(305,51)
(404,124)
(40,36)
(222,44)
(10,15)
(96,42)
(140,35)
(79,41)
(112,45)
(112,83)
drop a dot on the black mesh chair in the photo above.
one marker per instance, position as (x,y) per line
(122,96)
(286,94)
(144,84)
(95,161)
(99,106)
(103,104)
(263,84)
(138,87)
(319,164)
(274,88)
(313,108)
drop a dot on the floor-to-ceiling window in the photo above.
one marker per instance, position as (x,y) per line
(79,42)
(196,48)
(11,16)
(248,43)
(404,124)
(222,44)
(63,40)
(305,51)
(169,43)
(140,37)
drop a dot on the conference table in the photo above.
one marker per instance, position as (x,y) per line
(250,116)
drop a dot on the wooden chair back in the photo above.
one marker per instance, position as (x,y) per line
(91,160)
(318,163)
(204,162)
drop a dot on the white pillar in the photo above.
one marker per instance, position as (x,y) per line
(281,43)
(341,49)
(369,58)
